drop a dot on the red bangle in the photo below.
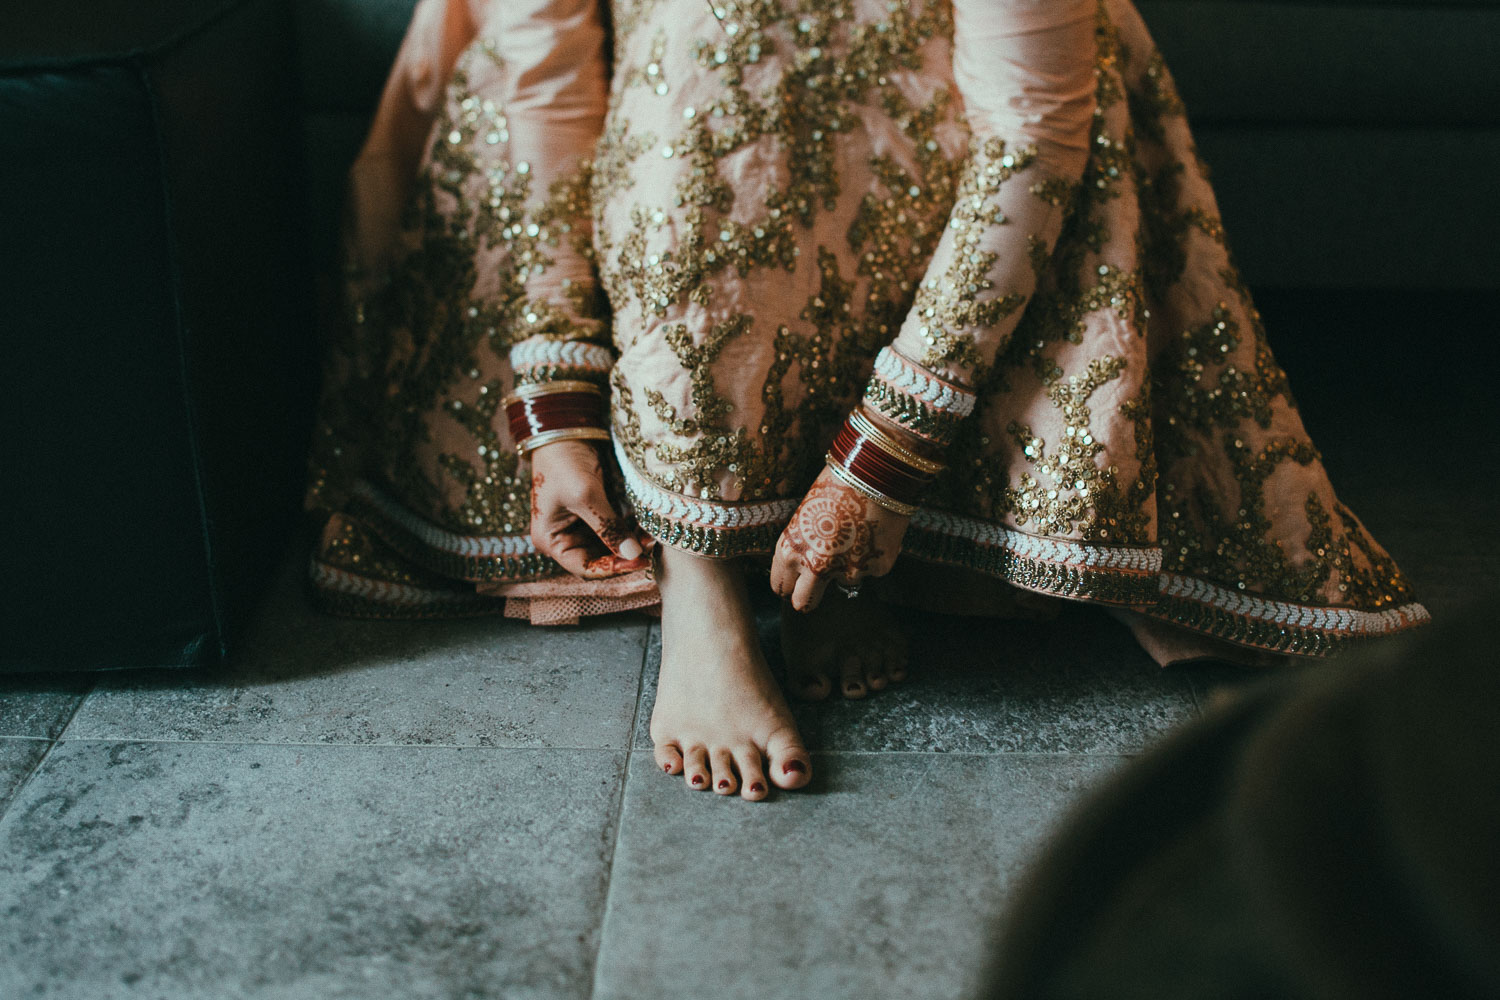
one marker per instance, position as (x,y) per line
(879,468)
(556,411)
(860,456)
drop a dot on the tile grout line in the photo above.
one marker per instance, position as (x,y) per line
(614,847)
(62,734)
(15,794)
(544,747)
(332,745)
(52,744)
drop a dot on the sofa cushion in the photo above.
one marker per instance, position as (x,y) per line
(66,34)
(159,365)
(1283,62)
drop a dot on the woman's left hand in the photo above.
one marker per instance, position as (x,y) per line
(838,535)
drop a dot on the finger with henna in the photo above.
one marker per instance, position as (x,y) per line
(808,593)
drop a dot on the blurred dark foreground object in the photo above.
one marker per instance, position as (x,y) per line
(158,366)
(1329,835)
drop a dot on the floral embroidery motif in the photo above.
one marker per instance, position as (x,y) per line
(1117,428)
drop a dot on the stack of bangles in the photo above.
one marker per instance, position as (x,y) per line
(556,411)
(867,459)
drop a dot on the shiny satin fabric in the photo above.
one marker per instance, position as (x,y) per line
(726,212)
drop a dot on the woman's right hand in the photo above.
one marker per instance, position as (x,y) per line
(572,520)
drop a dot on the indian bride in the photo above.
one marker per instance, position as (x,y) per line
(925,301)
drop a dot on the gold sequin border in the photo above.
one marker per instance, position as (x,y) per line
(710,528)
(343,604)
(475,569)
(540,374)
(1296,640)
(706,540)
(1139,590)
(937,426)
(1045,576)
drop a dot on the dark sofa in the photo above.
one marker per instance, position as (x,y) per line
(154,311)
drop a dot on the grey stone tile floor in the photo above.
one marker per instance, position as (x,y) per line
(470,809)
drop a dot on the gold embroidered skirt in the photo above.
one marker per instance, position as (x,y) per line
(766,197)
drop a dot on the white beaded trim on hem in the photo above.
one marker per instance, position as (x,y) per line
(343,582)
(541,353)
(907,376)
(1057,550)
(697,511)
(429,534)
(1350,620)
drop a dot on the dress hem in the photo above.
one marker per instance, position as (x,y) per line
(1128,577)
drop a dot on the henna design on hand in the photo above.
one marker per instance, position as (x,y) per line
(612,565)
(830,533)
(612,529)
(572,519)
(537,482)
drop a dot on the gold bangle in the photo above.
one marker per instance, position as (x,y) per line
(535,389)
(866,427)
(562,434)
(889,503)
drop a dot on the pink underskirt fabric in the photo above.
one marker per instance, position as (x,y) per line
(567,601)
(1170,646)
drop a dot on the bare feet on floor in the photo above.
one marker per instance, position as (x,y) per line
(720,719)
(846,644)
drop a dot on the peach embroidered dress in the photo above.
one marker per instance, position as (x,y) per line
(987,218)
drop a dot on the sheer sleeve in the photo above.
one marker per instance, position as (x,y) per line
(535,114)
(1025,70)
(383,174)
(485,131)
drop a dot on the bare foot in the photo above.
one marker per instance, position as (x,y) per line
(720,720)
(847,643)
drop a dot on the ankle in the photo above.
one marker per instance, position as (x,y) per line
(680,567)
(707,598)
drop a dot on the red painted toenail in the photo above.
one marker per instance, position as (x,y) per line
(794,765)
(697,779)
(723,784)
(757,788)
(667,768)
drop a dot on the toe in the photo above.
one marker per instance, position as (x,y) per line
(875,677)
(809,656)
(811,687)
(895,663)
(788,761)
(724,779)
(695,768)
(669,758)
(852,678)
(753,784)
